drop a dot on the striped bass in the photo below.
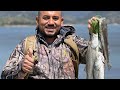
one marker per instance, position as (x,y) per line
(97,55)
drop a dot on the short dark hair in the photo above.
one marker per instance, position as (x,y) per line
(40,13)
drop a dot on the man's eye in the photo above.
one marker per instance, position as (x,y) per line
(46,17)
(55,18)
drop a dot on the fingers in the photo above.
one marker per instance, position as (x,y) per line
(26,68)
(29,56)
(27,64)
(91,20)
(30,52)
(90,28)
(28,61)
(92,23)
(89,25)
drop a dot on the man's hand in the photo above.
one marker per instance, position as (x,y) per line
(93,25)
(28,61)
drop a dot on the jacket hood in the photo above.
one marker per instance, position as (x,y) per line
(67,30)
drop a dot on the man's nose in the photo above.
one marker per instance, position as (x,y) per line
(51,21)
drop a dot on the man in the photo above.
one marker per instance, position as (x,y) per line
(54,56)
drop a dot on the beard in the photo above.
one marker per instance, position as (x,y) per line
(49,35)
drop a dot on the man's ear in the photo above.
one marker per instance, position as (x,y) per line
(62,21)
(37,21)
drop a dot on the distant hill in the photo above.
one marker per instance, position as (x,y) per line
(26,14)
(72,17)
(111,16)
(17,17)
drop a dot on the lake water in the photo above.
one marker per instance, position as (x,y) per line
(11,36)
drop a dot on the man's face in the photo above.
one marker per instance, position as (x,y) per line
(49,22)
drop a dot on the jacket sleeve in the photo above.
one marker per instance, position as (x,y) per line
(12,69)
(82,45)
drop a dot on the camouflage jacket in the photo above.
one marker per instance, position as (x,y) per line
(54,60)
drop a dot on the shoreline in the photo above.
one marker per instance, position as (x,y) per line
(35,25)
(17,26)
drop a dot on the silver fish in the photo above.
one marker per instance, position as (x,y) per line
(98,57)
(103,37)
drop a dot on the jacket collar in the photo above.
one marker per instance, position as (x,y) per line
(64,32)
